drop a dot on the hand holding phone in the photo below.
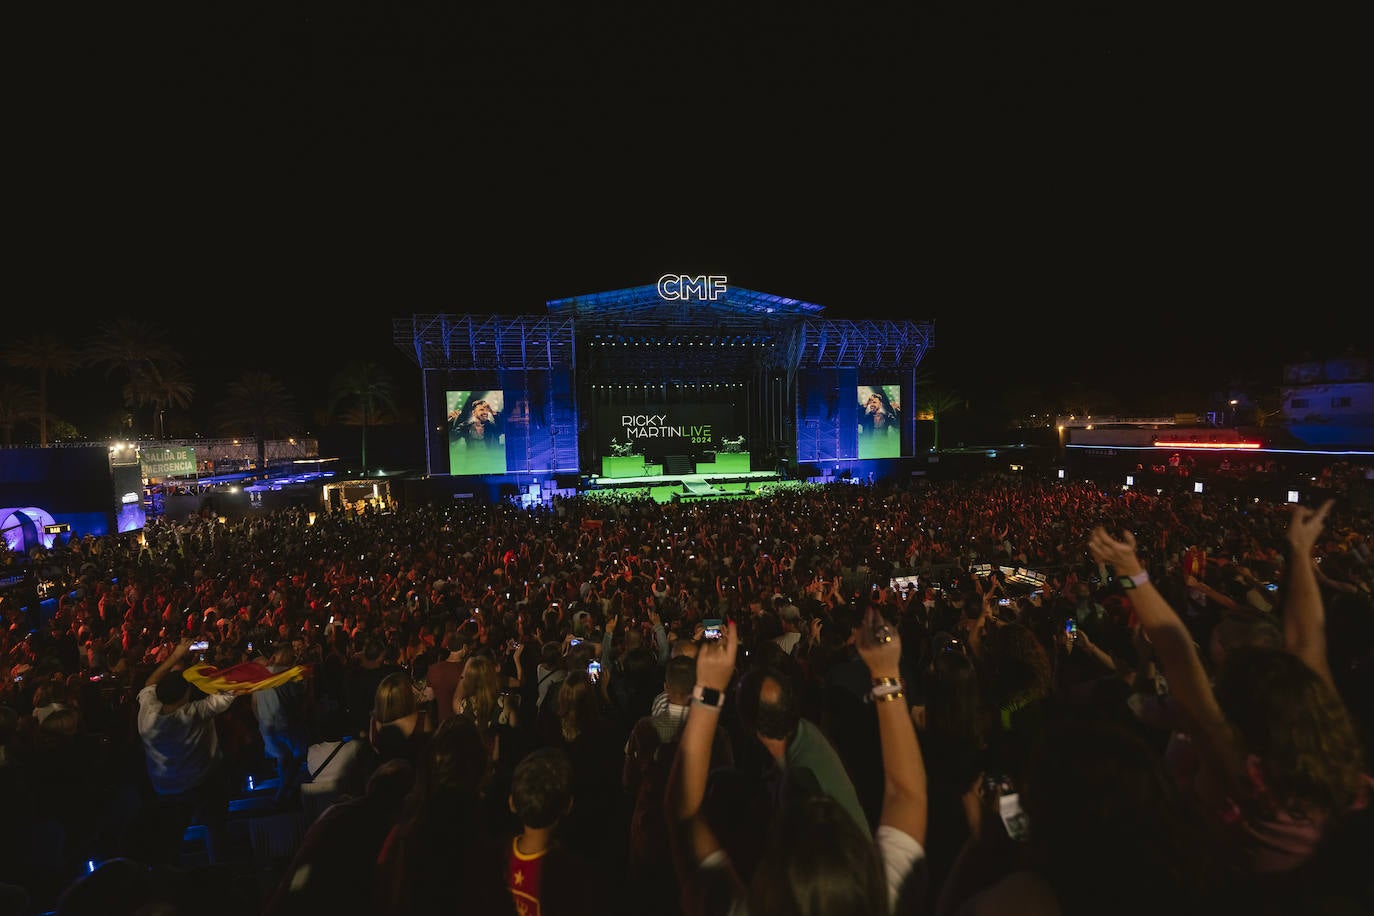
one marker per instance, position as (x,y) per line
(711,629)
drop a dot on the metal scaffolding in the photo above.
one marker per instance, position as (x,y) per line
(485,341)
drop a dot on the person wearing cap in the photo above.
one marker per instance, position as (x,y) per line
(183,757)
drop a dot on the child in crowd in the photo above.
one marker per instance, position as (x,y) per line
(544,876)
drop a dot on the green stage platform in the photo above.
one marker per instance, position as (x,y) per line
(629,466)
(725,463)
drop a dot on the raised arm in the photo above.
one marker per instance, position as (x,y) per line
(1174,647)
(171,662)
(693,838)
(904,773)
(1304,618)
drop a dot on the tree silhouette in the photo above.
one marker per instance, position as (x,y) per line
(17,405)
(362,392)
(131,346)
(256,405)
(937,401)
(45,352)
(160,386)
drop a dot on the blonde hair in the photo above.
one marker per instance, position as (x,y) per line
(578,705)
(395,698)
(481,689)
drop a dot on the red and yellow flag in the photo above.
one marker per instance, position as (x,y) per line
(244,677)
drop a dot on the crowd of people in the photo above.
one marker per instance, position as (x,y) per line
(993,695)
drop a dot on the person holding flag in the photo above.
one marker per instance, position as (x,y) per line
(183,757)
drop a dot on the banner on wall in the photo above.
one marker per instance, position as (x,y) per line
(167,462)
(476,431)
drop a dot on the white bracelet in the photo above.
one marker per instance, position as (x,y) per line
(883,690)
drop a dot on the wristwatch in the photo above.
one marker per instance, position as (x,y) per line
(708,696)
(1139,578)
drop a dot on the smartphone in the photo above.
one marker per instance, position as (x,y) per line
(1013,817)
(250,647)
(1271,587)
(594,672)
(1071,628)
(574,641)
(711,629)
(200,645)
(1004,602)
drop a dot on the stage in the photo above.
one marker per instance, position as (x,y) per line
(684,487)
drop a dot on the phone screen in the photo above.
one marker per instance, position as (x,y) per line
(594,671)
(711,629)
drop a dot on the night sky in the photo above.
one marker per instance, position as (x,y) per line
(1081,196)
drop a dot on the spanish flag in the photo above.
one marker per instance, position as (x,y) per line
(246,676)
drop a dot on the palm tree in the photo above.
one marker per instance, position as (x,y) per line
(368,391)
(45,352)
(161,386)
(129,346)
(935,401)
(17,405)
(257,405)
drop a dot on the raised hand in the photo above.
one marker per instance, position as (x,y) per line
(1120,553)
(716,659)
(1305,527)
(879,645)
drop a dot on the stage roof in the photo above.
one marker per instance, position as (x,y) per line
(643,307)
(635,330)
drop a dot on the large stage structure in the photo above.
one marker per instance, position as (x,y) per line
(688,376)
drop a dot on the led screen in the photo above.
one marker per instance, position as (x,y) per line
(476,432)
(880,425)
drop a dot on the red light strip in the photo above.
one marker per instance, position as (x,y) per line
(1159,444)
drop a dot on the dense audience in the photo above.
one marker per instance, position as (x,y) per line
(1001,695)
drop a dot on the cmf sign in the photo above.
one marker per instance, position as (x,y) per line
(682,288)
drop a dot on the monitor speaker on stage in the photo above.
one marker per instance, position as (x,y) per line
(706,458)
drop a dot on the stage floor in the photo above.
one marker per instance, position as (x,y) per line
(663,479)
(686,487)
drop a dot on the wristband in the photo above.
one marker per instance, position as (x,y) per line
(884,681)
(889,697)
(885,691)
(1129,582)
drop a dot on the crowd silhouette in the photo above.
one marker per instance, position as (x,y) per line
(1000,694)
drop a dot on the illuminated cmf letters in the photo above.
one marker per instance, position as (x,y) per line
(675,287)
(654,426)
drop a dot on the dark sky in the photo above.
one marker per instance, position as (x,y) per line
(1077,194)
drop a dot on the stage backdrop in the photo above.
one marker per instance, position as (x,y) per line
(655,429)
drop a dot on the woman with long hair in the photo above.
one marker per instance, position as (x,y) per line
(816,861)
(399,725)
(443,857)
(1280,760)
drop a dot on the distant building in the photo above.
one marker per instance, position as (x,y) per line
(1329,403)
